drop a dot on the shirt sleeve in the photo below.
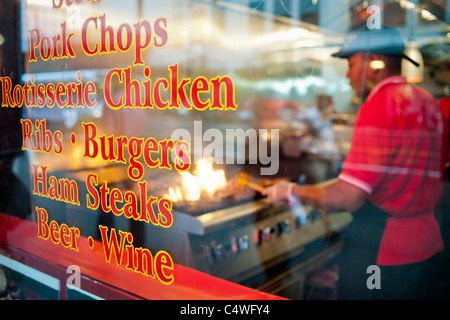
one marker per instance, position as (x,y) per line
(368,159)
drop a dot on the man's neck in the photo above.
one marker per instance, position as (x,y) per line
(384,74)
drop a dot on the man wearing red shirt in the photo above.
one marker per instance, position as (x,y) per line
(391,179)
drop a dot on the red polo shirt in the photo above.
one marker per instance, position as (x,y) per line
(397,156)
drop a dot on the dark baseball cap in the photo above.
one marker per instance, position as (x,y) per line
(387,41)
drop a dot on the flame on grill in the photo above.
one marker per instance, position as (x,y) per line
(204,179)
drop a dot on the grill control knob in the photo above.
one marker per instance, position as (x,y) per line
(265,234)
(217,251)
(257,237)
(300,221)
(243,243)
(283,227)
(234,246)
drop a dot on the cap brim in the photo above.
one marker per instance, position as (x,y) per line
(343,54)
(347,54)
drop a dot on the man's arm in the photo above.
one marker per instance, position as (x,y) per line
(336,195)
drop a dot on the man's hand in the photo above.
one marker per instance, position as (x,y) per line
(335,195)
(279,191)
